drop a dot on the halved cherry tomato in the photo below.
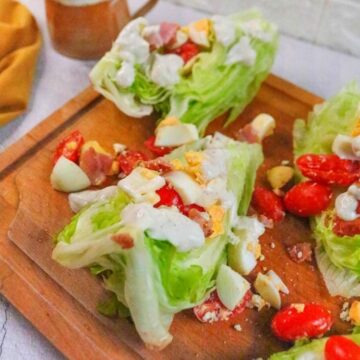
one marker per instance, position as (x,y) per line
(329,169)
(212,309)
(341,348)
(69,147)
(187,51)
(157,150)
(129,159)
(308,198)
(268,204)
(301,321)
(169,197)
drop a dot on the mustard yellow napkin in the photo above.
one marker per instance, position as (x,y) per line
(20,42)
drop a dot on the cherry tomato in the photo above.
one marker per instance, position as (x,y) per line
(157,150)
(308,198)
(212,309)
(129,159)
(329,169)
(187,51)
(268,204)
(294,322)
(169,197)
(341,348)
(69,147)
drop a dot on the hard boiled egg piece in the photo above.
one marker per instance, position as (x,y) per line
(189,190)
(241,259)
(176,135)
(263,125)
(231,287)
(68,177)
(142,184)
(268,290)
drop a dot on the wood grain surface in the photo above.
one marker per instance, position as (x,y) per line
(61,303)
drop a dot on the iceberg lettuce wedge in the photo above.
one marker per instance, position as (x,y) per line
(338,256)
(153,279)
(207,88)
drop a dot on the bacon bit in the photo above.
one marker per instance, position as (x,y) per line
(198,217)
(124,240)
(300,252)
(346,228)
(248,135)
(96,165)
(168,32)
(159,164)
(212,309)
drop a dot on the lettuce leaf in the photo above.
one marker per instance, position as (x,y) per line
(210,89)
(333,117)
(312,350)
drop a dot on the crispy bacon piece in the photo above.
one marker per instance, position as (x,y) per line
(159,164)
(300,252)
(199,217)
(248,135)
(96,165)
(165,36)
(124,240)
(168,32)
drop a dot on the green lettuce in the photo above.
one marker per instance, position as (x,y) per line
(338,256)
(333,117)
(210,89)
(309,350)
(153,279)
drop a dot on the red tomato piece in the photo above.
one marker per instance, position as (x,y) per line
(169,197)
(346,228)
(129,159)
(341,348)
(329,169)
(157,150)
(187,51)
(268,204)
(308,198)
(69,147)
(293,322)
(212,309)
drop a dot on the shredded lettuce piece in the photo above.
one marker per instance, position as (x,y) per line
(205,91)
(313,350)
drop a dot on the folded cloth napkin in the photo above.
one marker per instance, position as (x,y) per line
(20,42)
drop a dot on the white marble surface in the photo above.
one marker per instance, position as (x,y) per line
(58,79)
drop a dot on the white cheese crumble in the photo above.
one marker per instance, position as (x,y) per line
(241,52)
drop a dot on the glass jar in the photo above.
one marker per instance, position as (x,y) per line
(85,29)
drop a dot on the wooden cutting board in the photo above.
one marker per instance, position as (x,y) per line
(61,303)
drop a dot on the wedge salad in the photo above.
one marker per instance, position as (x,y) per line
(159,238)
(194,73)
(332,162)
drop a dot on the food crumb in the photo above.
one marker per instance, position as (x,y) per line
(344,314)
(272,245)
(285,162)
(237,327)
(264,268)
(262,257)
(300,252)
